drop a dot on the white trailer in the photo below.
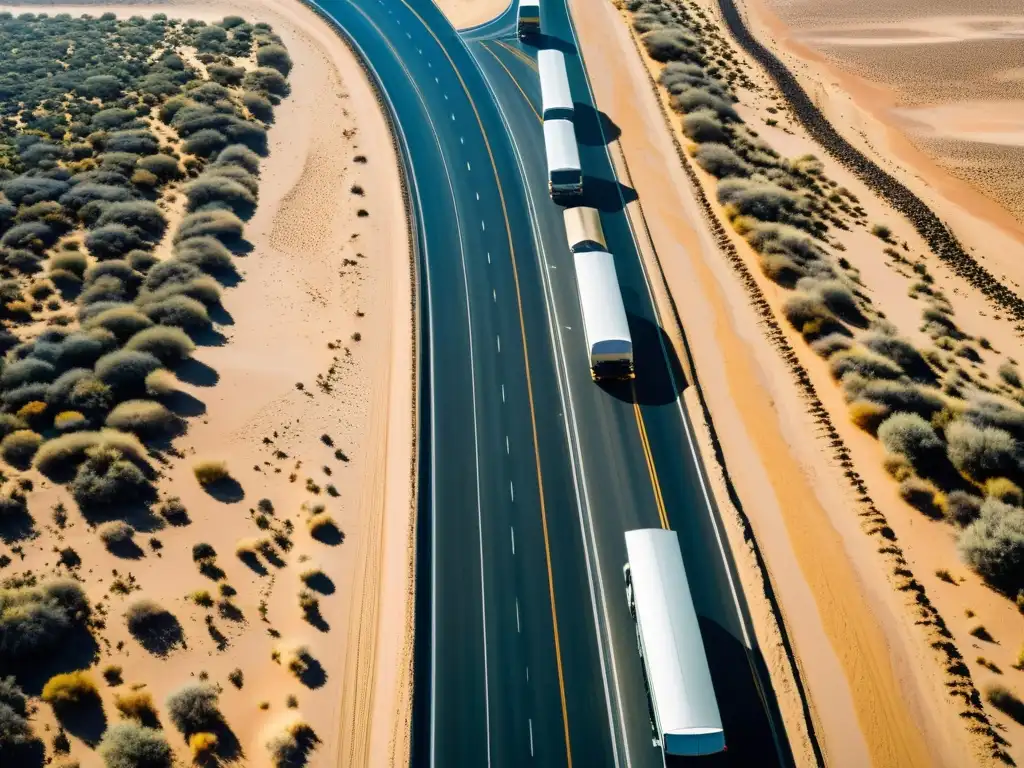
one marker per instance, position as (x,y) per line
(565,176)
(528,18)
(682,696)
(609,344)
(555,95)
(583,229)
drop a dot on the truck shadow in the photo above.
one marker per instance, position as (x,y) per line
(607,195)
(656,383)
(549,41)
(593,127)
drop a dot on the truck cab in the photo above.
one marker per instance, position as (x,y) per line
(528,19)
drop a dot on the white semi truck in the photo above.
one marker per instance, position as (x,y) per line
(684,709)
(528,18)
(609,344)
(565,176)
(555,95)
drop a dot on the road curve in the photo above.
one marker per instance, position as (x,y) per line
(529,473)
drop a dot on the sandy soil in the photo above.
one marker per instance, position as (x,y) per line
(310,401)
(860,646)
(470,13)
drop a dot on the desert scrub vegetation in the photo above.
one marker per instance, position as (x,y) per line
(37,620)
(194,709)
(101,298)
(71,689)
(292,744)
(209,471)
(953,433)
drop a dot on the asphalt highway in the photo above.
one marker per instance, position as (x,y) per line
(530,473)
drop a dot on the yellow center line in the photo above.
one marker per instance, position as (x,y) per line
(514,80)
(529,383)
(518,54)
(649,456)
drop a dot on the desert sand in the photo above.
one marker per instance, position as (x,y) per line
(875,688)
(310,400)
(464,14)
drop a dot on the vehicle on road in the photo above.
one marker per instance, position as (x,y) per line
(609,344)
(583,229)
(565,175)
(528,18)
(555,95)
(684,710)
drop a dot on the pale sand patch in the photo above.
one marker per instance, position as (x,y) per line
(862,657)
(297,294)
(983,122)
(470,13)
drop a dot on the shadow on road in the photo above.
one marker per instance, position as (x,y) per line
(608,196)
(548,41)
(748,732)
(593,127)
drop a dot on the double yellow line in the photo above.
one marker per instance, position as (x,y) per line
(641,427)
(659,500)
(529,383)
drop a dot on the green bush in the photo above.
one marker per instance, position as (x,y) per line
(235,173)
(666,45)
(827,346)
(164,167)
(910,436)
(1010,374)
(993,545)
(142,216)
(194,709)
(168,344)
(106,478)
(208,190)
(19,447)
(206,142)
(124,321)
(720,161)
(136,142)
(129,745)
(225,75)
(809,315)
(179,311)
(266,80)
(981,453)
(258,105)
(113,241)
(762,200)
(28,371)
(703,126)
(921,494)
(275,57)
(206,253)
(241,156)
(125,370)
(161,383)
(864,363)
(904,396)
(69,261)
(143,417)
(221,224)
(104,289)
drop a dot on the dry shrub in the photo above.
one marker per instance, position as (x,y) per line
(904,396)
(922,495)
(20,446)
(107,478)
(291,746)
(863,362)
(962,508)
(1005,490)
(202,745)
(143,417)
(194,709)
(70,450)
(1006,701)
(136,705)
(160,383)
(208,471)
(69,421)
(868,415)
(168,344)
(71,689)
(116,533)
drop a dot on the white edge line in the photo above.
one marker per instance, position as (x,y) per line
(572,438)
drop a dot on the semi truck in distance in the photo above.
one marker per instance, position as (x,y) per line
(565,176)
(555,96)
(683,707)
(528,18)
